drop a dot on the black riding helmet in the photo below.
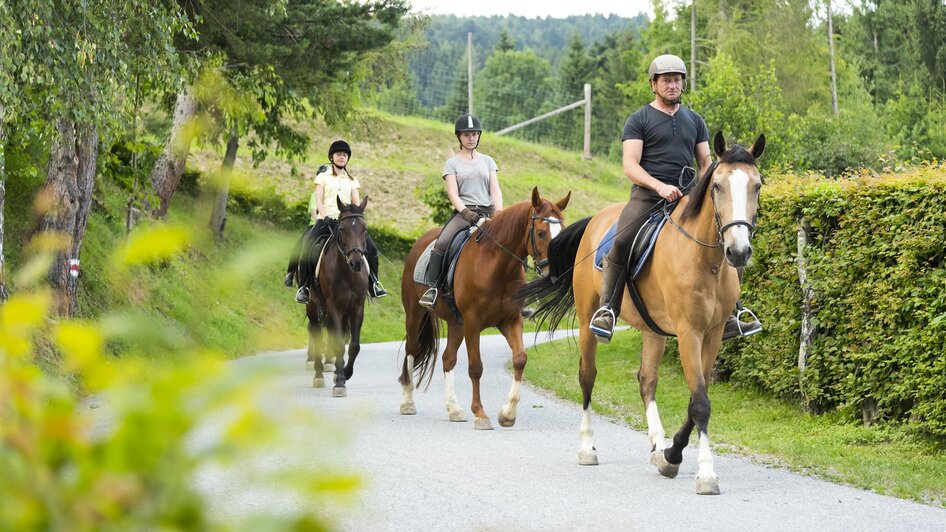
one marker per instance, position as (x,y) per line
(465,124)
(339,146)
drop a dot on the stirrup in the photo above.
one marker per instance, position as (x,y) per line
(736,328)
(302,295)
(377,290)
(288,280)
(603,334)
(429,299)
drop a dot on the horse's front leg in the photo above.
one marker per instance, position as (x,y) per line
(698,414)
(587,372)
(454,339)
(336,349)
(652,351)
(354,345)
(472,335)
(513,334)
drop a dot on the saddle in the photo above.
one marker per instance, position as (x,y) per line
(641,251)
(450,264)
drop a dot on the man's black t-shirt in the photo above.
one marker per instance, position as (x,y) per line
(669,142)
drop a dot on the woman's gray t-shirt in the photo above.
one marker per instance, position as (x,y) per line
(472,178)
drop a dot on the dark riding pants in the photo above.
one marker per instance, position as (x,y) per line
(642,203)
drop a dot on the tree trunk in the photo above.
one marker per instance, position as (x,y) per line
(808,327)
(834,79)
(70,180)
(218,220)
(167,171)
(3,195)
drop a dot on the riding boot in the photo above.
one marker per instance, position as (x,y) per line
(429,299)
(735,327)
(602,322)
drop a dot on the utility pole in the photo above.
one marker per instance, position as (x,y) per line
(692,75)
(469,70)
(834,79)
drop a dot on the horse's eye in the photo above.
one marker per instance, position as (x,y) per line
(716,187)
(542,234)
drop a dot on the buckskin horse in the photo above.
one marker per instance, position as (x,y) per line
(336,306)
(689,288)
(489,269)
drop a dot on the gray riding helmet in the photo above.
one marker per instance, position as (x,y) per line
(666,64)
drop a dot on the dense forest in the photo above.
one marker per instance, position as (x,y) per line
(764,66)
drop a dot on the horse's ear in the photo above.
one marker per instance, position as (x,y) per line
(719,144)
(536,199)
(338,201)
(562,203)
(363,204)
(758,146)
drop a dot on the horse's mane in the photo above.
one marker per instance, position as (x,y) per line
(510,223)
(738,154)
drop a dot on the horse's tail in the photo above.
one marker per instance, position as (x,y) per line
(554,292)
(424,348)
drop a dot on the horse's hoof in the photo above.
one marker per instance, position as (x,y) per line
(309,365)
(707,486)
(663,466)
(408,409)
(505,421)
(587,457)
(339,391)
(482,423)
(318,382)
(457,416)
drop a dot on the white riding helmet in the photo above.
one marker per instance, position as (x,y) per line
(666,64)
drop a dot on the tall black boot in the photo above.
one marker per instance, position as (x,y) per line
(429,299)
(613,277)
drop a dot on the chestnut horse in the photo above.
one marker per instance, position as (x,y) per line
(343,281)
(689,288)
(489,269)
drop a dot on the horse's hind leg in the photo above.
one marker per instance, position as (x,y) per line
(513,334)
(587,372)
(652,351)
(454,339)
(472,336)
(407,386)
(315,351)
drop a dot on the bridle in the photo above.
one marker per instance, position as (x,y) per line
(338,241)
(720,227)
(537,264)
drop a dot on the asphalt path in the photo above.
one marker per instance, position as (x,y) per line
(423,472)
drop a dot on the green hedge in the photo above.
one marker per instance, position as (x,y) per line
(875,261)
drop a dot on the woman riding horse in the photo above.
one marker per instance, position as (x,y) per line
(488,270)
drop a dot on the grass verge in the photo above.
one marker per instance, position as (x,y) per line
(748,423)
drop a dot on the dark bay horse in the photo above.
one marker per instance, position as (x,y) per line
(689,288)
(491,267)
(343,282)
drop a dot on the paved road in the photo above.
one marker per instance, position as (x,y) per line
(423,472)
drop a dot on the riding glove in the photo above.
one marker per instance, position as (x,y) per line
(469,215)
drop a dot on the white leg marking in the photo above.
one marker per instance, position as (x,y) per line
(512,400)
(453,409)
(705,459)
(655,429)
(586,433)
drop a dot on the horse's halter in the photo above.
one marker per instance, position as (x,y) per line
(720,227)
(338,241)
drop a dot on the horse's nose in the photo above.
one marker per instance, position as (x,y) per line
(355,265)
(738,256)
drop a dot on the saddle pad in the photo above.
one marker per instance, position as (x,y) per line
(641,248)
(420,269)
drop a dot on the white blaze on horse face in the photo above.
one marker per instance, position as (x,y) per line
(739,191)
(554,229)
